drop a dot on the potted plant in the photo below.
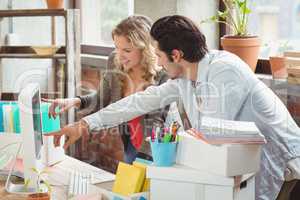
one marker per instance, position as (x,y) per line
(239,42)
(41,194)
(277,61)
(55,4)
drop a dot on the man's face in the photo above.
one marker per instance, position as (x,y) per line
(173,69)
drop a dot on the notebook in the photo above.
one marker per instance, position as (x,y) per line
(146,183)
(129,179)
(220,131)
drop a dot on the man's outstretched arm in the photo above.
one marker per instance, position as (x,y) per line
(137,104)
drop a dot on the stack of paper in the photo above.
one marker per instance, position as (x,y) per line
(219,131)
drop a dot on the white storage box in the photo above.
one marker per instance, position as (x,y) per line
(225,160)
(104,190)
(180,182)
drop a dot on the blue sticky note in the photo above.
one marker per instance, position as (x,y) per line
(142,198)
(144,161)
(2,103)
(1,117)
(16,115)
(49,124)
(117,198)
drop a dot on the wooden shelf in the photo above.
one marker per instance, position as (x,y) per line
(32,12)
(31,52)
(67,75)
(32,56)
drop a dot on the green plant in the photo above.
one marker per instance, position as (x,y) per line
(40,181)
(235,16)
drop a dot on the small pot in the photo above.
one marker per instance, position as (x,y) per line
(278,67)
(55,4)
(39,196)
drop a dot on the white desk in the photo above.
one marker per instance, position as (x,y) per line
(59,178)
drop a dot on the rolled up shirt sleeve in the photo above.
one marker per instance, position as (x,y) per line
(132,106)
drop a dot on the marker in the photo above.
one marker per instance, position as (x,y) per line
(153,135)
(157,135)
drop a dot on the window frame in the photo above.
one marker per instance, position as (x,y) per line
(100,50)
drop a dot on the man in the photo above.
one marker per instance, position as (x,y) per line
(210,83)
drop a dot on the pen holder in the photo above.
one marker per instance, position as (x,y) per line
(164,154)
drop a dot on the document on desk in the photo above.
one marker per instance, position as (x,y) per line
(60,172)
(220,131)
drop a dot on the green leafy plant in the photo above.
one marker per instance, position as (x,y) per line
(235,16)
(40,181)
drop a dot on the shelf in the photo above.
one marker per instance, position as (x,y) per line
(66,76)
(32,12)
(10,96)
(32,52)
(32,56)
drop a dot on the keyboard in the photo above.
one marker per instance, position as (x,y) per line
(79,183)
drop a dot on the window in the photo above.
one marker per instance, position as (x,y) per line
(277,22)
(99,17)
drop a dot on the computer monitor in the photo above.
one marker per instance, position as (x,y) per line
(32,139)
(31,131)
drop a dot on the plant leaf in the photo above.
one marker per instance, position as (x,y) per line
(247,11)
(223,15)
(48,186)
(35,170)
(27,181)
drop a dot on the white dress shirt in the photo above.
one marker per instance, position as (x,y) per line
(225,88)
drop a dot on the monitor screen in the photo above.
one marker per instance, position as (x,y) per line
(37,124)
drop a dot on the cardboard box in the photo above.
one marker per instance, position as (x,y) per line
(180,182)
(225,160)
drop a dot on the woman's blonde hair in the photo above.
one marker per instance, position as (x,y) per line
(136,29)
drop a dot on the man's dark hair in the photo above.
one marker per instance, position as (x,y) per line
(179,32)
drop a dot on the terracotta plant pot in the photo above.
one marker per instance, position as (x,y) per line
(247,48)
(55,4)
(278,67)
(39,196)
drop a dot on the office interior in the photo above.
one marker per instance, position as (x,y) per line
(65,51)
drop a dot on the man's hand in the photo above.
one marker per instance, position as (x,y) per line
(72,131)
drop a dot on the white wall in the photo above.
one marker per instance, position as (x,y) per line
(197,10)
(28,31)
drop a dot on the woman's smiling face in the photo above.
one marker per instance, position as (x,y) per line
(129,56)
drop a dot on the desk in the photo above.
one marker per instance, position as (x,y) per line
(59,189)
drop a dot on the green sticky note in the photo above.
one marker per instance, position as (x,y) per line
(16,116)
(49,124)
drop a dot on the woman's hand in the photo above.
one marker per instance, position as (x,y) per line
(63,104)
(72,131)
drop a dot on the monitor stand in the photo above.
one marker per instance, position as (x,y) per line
(17,174)
(17,188)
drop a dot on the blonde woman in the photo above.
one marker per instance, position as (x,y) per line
(131,68)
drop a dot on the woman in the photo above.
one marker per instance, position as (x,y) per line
(131,68)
